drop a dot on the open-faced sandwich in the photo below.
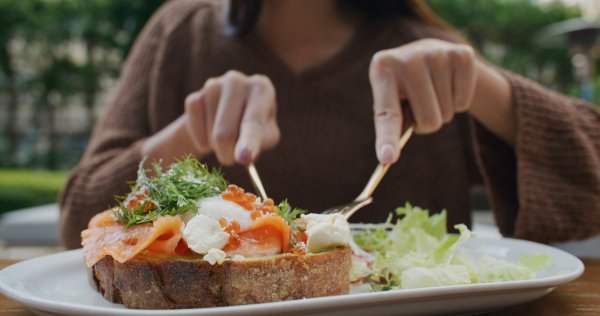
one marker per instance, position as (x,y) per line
(184,238)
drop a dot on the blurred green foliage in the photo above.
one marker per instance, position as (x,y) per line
(507,31)
(54,53)
(25,188)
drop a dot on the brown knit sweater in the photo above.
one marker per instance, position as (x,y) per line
(547,188)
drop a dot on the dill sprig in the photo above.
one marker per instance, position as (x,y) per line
(289,214)
(172,192)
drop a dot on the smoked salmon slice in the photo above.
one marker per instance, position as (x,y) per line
(277,223)
(269,235)
(263,241)
(106,237)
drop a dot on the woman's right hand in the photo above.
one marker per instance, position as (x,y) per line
(233,115)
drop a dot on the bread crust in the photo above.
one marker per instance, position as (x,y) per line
(151,282)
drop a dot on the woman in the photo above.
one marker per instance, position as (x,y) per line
(312,85)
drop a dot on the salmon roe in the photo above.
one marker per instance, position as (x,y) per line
(267,207)
(233,229)
(133,202)
(237,195)
(247,200)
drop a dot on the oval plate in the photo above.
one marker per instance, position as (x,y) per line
(57,285)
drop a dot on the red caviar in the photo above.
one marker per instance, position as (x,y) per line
(268,206)
(237,195)
(233,229)
(247,200)
(138,198)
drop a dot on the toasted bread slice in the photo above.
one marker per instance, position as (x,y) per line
(151,282)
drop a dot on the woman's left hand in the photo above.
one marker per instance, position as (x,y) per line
(438,79)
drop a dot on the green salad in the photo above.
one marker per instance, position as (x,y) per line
(417,252)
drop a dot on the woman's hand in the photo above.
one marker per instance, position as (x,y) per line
(233,116)
(438,79)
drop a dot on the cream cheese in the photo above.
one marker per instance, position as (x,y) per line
(326,231)
(203,233)
(215,255)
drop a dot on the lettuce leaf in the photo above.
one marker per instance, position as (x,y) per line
(417,252)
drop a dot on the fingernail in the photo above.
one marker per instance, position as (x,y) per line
(386,153)
(245,155)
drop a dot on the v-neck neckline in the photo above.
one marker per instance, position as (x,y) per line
(353,48)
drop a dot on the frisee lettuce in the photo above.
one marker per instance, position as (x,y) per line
(416,252)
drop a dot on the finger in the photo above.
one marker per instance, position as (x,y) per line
(440,71)
(414,77)
(386,108)
(464,77)
(210,100)
(258,128)
(228,116)
(195,123)
(196,105)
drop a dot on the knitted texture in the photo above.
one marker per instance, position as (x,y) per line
(554,171)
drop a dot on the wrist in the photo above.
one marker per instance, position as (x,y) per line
(170,144)
(492,104)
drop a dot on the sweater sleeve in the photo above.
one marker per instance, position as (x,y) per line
(113,154)
(546,188)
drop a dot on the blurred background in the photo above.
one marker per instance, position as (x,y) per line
(60,59)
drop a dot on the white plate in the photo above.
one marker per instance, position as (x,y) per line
(57,284)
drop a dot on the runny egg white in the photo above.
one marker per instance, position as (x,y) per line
(216,207)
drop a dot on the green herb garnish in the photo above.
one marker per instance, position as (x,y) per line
(289,214)
(172,192)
